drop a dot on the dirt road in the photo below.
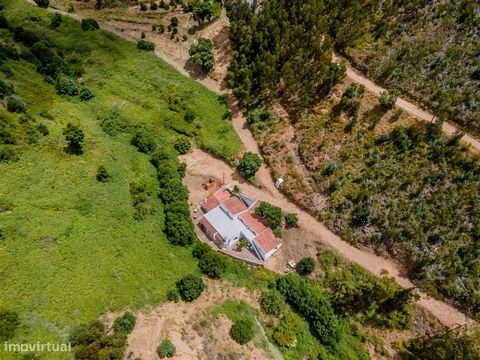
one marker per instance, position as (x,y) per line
(448,128)
(202,163)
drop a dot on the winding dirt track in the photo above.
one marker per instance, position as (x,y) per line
(200,162)
(448,128)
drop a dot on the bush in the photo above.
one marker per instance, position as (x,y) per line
(89,24)
(200,249)
(285,333)
(249,164)
(182,145)
(86,93)
(66,85)
(55,20)
(7,154)
(166,349)
(15,104)
(102,174)
(153,5)
(212,264)
(272,302)
(242,331)
(74,136)
(125,323)
(306,266)
(143,141)
(291,219)
(202,55)
(5,89)
(143,7)
(189,116)
(8,324)
(190,287)
(388,99)
(273,214)
(145,45)
(173,295)
(42,3)
(114,124)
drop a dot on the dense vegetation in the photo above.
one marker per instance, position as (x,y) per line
(62,231)
(281,48)
(426,49)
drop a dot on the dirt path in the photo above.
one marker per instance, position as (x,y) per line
(409,107)
(203,163)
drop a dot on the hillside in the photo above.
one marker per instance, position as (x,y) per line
(428,50)
(72,246)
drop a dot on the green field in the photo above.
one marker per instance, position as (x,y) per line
(71,248)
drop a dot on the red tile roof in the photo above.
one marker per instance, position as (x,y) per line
(253,222)
(234,205)
(214,200)
(208,226)
(267,240)
(223,195)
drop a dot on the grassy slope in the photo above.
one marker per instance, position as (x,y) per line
(72,249)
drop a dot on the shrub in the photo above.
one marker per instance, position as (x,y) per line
(86,93)
(189,116)
(7,154)
(202,55)
(2,234)
(143,141)
(166,349)
(66,85)
(74,136)
(142,35)
(249,164)
(5,89)
(200,249)
(43,129)
(102,174)
(125,323)
(212,264)
(114,124)
(331,168)
(306,266)
(174,21)
(242,331)
(179,230)
(273,214)
(143,7)
(388,99)
(285,333)
(8,324)
(182,145)
(173,295)
(278,232)
(15,104)
(145,45)
(153,5)
(272,302)
(190,287)
(42,3)
(89,24)
(71,8)
(55,20)
(291,219)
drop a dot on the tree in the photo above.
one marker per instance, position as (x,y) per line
(143,141)
(153,5)
(285,333)
(89,24)
(15,104)
(388,99)
(74,136)
(305,266)
(102,174)
(179,230)
(42,3)
(203,12)
(200,249)
(145,45)
(143,7)
(190,287)
(66,85)
(272,302)
(166,349)
(212,264)
(173,295)
(202,55)
(291,219)
(182,145)
(249,164)
(99,4)
(55,20)
(242,331)
(273,214)
(125,323)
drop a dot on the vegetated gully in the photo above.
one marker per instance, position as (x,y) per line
(446,314)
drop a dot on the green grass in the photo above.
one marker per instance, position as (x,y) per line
(72,249)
